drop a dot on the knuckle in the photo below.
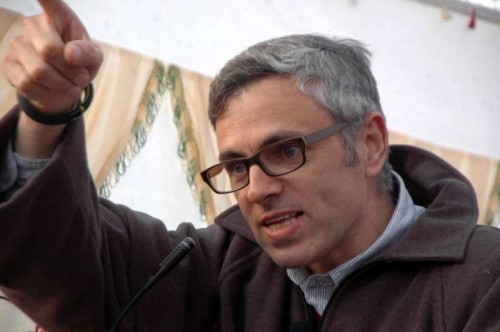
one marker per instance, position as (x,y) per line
(8,73)
(15,43)
(5,66)
(24,85)
(49,51)
(38,74)
(8,59)
(27,24)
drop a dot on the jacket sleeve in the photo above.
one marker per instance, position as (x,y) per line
(50,239)
(70,260)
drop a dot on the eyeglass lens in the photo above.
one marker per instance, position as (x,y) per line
(276,159)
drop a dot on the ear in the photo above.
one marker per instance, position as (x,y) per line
(376,143)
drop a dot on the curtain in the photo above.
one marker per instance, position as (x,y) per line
(197,144)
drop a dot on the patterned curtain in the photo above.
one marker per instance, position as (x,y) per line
(197,144)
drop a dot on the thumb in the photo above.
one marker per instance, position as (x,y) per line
(84,53)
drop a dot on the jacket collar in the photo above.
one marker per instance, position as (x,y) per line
(442,232)
(232,219)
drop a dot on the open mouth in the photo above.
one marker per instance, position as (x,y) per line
(282,221)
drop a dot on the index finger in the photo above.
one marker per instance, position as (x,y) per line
(60,27)
(55,8)
(64,20)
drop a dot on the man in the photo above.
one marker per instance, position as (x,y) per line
(324,237)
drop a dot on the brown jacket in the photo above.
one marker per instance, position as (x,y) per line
(71,260)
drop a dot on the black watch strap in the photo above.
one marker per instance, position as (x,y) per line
(57,119)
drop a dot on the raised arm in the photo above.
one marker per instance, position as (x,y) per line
(49,64)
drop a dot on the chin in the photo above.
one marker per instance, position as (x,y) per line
(289,260)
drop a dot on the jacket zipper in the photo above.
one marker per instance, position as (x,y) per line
(313,323)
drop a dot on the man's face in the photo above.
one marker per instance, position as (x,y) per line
(314,216)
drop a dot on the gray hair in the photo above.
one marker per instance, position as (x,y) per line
(335,72)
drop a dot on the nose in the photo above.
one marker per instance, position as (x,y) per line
(261,185)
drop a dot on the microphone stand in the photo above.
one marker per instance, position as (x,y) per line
(165,267)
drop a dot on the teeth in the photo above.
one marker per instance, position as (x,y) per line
(284,220)
(281,224)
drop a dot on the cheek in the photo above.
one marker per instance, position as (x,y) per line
(240,198)
(340,188)
(244,205)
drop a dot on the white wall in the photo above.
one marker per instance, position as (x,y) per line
(438,80)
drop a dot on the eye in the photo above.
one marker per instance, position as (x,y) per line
(235,168)
(290,151)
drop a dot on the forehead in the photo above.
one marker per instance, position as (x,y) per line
(268,107)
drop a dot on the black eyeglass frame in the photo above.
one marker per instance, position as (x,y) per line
(255,159)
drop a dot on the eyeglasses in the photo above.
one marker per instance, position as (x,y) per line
(276,159)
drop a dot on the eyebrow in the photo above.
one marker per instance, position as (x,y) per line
(275,137)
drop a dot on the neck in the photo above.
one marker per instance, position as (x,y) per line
(371,226)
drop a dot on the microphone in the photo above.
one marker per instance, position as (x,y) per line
(164,268)
(174,258)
